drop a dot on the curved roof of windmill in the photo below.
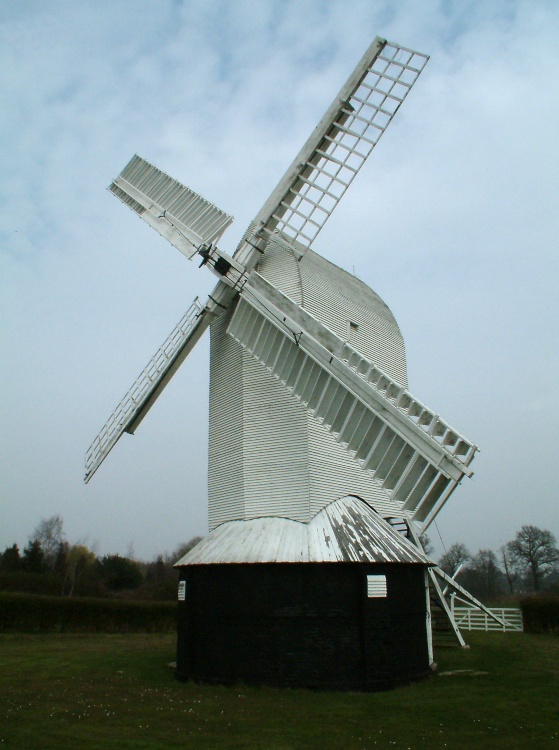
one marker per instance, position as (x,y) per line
(347,530)
(337,298)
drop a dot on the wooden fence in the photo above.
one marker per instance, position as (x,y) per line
(468,618)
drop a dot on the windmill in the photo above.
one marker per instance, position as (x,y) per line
(318,452)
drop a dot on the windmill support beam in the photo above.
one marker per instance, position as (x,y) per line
(446,608)
(451,583)
(428,618)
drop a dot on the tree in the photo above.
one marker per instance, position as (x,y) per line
(10,560)
(156,572)
(535,552)
(426,544)
(182,549)
(483,574)
(33,560)
(50,535)
(120,573)
(73,561)
(509,566)
(457,555)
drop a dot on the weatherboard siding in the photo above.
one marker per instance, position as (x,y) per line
(276,451)
(332,474)
(268,455)
(337,299)
(282,269)
(225,475)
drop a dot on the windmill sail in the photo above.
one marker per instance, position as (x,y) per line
(415,455)
(179,214)
(297,208)
(330,159)
(149,384)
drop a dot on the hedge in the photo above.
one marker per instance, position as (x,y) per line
(540,613)
(29,613)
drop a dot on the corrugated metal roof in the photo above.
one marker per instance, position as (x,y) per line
(347,530)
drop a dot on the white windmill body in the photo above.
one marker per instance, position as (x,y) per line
(269,456)
(315,441)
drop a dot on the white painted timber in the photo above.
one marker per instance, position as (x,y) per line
(470,618)
(413,453)
(179,214)
(339,145)
(347,530)
(258,448)
(321,288)
(339,299)
(226,426)
(457,590)
(168,357)
(268,454)
(271,454)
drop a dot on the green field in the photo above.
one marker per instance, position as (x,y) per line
(117,691)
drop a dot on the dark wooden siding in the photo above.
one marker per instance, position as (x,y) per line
(302,625)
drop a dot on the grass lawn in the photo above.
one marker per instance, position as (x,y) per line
(116,691)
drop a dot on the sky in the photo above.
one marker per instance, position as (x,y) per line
(453,220)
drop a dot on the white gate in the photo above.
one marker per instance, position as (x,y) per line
(469,618)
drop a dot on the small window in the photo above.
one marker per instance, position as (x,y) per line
(376,587)
(352,328)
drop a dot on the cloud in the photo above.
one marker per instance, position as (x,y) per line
(453,222)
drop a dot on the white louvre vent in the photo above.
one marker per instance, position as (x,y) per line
(182,591)
(376,587)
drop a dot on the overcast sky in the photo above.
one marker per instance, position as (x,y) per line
(454,221)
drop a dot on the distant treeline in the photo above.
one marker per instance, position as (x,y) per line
(528,563)
(50,565)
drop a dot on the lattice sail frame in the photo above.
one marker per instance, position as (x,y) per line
(136,398)
(327,164)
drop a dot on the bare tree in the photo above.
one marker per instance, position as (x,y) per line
(535,552)
(50,535)
(183,548)
(456,555)
(509,566)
